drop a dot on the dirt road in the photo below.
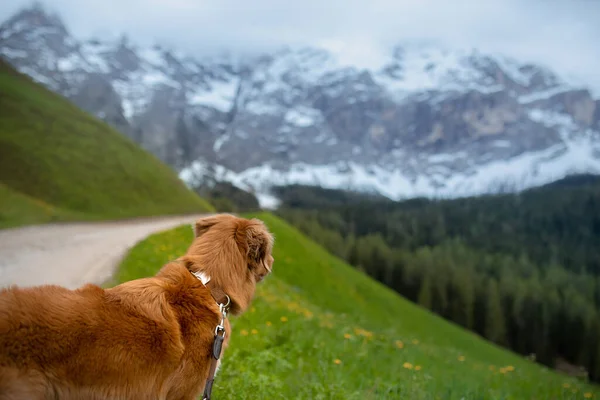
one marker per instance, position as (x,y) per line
(72,254)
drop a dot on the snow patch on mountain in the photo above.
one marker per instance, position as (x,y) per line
(220,96)
(574,155)
(543,94)
(302,116)
(12,53)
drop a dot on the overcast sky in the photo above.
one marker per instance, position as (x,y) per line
(564,35)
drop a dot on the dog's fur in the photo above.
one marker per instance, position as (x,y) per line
(149,338)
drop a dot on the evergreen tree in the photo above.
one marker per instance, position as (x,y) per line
(425,296)
(495,327)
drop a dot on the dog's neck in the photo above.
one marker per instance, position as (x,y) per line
(217,293)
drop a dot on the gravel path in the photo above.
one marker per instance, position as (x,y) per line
(75,253)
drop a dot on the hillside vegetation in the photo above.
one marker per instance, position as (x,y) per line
(523,270)
(19,209)
(64,164)
(320,329)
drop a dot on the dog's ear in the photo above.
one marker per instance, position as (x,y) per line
(204,224)
(258,242)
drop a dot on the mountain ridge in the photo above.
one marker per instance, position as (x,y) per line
(423,121)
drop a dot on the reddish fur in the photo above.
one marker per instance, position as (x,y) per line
(149,338)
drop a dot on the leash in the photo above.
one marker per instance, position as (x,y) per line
(216,349)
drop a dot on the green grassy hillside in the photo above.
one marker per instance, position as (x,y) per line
(19,209)
(54,153)
(522,269)
(319,329)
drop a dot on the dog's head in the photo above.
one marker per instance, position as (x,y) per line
(235,253)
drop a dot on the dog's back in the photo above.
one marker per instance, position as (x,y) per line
(124,342)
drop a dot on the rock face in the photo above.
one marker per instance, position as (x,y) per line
(427,121)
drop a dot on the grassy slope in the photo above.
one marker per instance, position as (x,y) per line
(52,151)
(19,209)
(318,329)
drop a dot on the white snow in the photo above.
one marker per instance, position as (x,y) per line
(43,31)
(263,108)
(19,26)
(542,95)
(128,109)
(574,154)
(135,96)
(220,96)
(152,55)
(511,68)
(332,141)
(443,157)
(302,116)
(67,64)
(220,141)
(154,78)
(6,33)
(552,119)
(501,143)
(241,134)
(92,54)
(284,129)
(321,137)
(12,53)
(429,67)
(308,65)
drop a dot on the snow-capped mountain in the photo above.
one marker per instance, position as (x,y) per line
(422,120)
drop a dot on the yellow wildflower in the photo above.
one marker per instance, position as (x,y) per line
(417,367)
(461,358)
(254,331)
(269,323)
(347,336)
(399,344)
(337,361)
(510,368)
(244,332)
(502,370)
(407,365)
(587,395)
(363,332)
(283,319)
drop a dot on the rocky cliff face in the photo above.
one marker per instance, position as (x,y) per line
(426,121)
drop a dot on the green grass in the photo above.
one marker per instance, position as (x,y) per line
(19,209)
(319,329)
(52,151)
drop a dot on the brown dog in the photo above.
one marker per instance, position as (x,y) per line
(149,338)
